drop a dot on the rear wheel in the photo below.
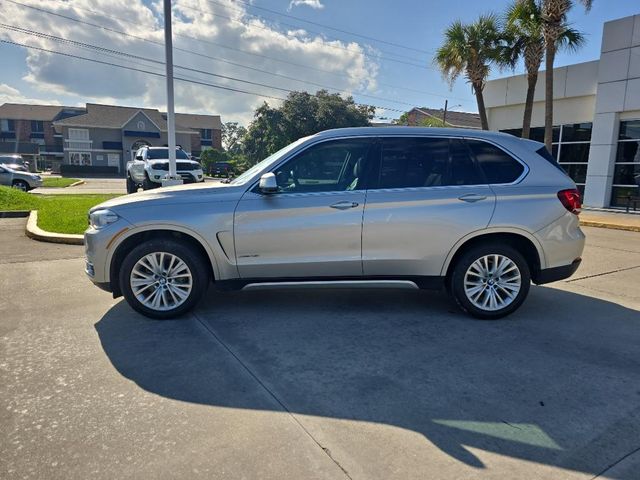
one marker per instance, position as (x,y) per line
(163,279)
(20,185)
(490,281)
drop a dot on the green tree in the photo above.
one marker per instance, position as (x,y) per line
(300,115)
(554,14)
(232,137)
(210,156)
(524,27)
(471,50)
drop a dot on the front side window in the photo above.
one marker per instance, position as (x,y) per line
(426,162)
(338,165)
(497,165)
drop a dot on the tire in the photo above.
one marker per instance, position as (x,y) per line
(134,270)
(147,184)
(484,294)
(132,187)
(20,185)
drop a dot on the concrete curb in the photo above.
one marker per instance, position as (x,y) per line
(75,184)
(612,226)
(36,233)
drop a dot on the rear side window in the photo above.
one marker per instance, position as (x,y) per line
(425,162)
(497,165)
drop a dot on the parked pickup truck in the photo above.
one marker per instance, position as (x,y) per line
(151,164)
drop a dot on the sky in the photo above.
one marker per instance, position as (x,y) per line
(379,51)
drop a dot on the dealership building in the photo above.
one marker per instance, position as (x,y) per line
(596,135)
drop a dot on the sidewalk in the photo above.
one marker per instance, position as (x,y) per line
(614,220)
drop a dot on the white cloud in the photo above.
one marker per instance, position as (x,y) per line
(8,94)
(309,3)
(344,65)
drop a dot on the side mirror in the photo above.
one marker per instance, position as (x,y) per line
(139,157)
(268,183)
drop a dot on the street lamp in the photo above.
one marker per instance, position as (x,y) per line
(172,177)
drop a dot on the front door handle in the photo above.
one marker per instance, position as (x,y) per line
(344,205)
(472,197)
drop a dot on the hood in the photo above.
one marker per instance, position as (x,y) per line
(180,194)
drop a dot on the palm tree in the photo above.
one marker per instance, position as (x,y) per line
(471,49)
(524,34)
(554,13)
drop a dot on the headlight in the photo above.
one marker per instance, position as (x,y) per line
(102,218)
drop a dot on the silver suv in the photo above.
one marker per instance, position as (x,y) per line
(480,213)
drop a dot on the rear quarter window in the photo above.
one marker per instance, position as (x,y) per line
(496,164)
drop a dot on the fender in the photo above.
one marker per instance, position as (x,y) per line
(167,227)
(486,231)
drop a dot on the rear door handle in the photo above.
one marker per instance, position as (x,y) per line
(472,197)
(344,205)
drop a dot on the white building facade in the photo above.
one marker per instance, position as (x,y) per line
(596,136)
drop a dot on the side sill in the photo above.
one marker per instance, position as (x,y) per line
(419,282)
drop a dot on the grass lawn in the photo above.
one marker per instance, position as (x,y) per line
(56,213)
(58,182)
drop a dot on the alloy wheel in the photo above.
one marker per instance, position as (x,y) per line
(492,282)
(161,281)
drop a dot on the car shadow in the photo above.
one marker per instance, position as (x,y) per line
(557,383)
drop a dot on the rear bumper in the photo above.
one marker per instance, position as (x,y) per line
(554,274)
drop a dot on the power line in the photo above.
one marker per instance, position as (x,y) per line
(366,37)
(222,87)
(159,62)
(213,85)
(398,87)
(338,47)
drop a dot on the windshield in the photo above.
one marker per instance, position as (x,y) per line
(163,154)
(271,159)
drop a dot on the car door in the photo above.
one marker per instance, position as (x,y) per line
(429,193)
(5,177)
(312,226)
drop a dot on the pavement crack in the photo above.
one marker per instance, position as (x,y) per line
(603,273)
(624,457)
(326,451)
(511,424)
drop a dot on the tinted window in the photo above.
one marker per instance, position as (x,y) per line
(413,162)
(337,165)
(163,154)
(497,165)
(463,170)
(576,132)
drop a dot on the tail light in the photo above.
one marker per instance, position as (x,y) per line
(571,200)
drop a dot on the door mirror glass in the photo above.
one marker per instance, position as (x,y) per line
(268,183)
(139,157)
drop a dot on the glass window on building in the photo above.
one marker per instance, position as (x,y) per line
(37,126)
(626,174)
(205,133)
(7,125)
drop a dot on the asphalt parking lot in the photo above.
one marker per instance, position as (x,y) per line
(335,384)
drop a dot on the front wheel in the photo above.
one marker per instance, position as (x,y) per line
(132,187)
(163,279)
(147,184)
(20,185)
(490,281)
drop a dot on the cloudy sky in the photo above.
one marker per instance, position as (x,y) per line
(379,51)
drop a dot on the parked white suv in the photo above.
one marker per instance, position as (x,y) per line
(151,164)
(480,213)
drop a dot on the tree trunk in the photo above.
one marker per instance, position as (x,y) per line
(532,79)
(481,110)
(548,95)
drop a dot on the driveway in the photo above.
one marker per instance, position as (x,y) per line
(360,384)
(95,185)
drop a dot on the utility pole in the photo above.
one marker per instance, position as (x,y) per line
(172,177)
(444,115)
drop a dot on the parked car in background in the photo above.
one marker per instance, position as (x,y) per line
(151,164)
(24,181)
(15,162)
(221,169)
(480,213)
